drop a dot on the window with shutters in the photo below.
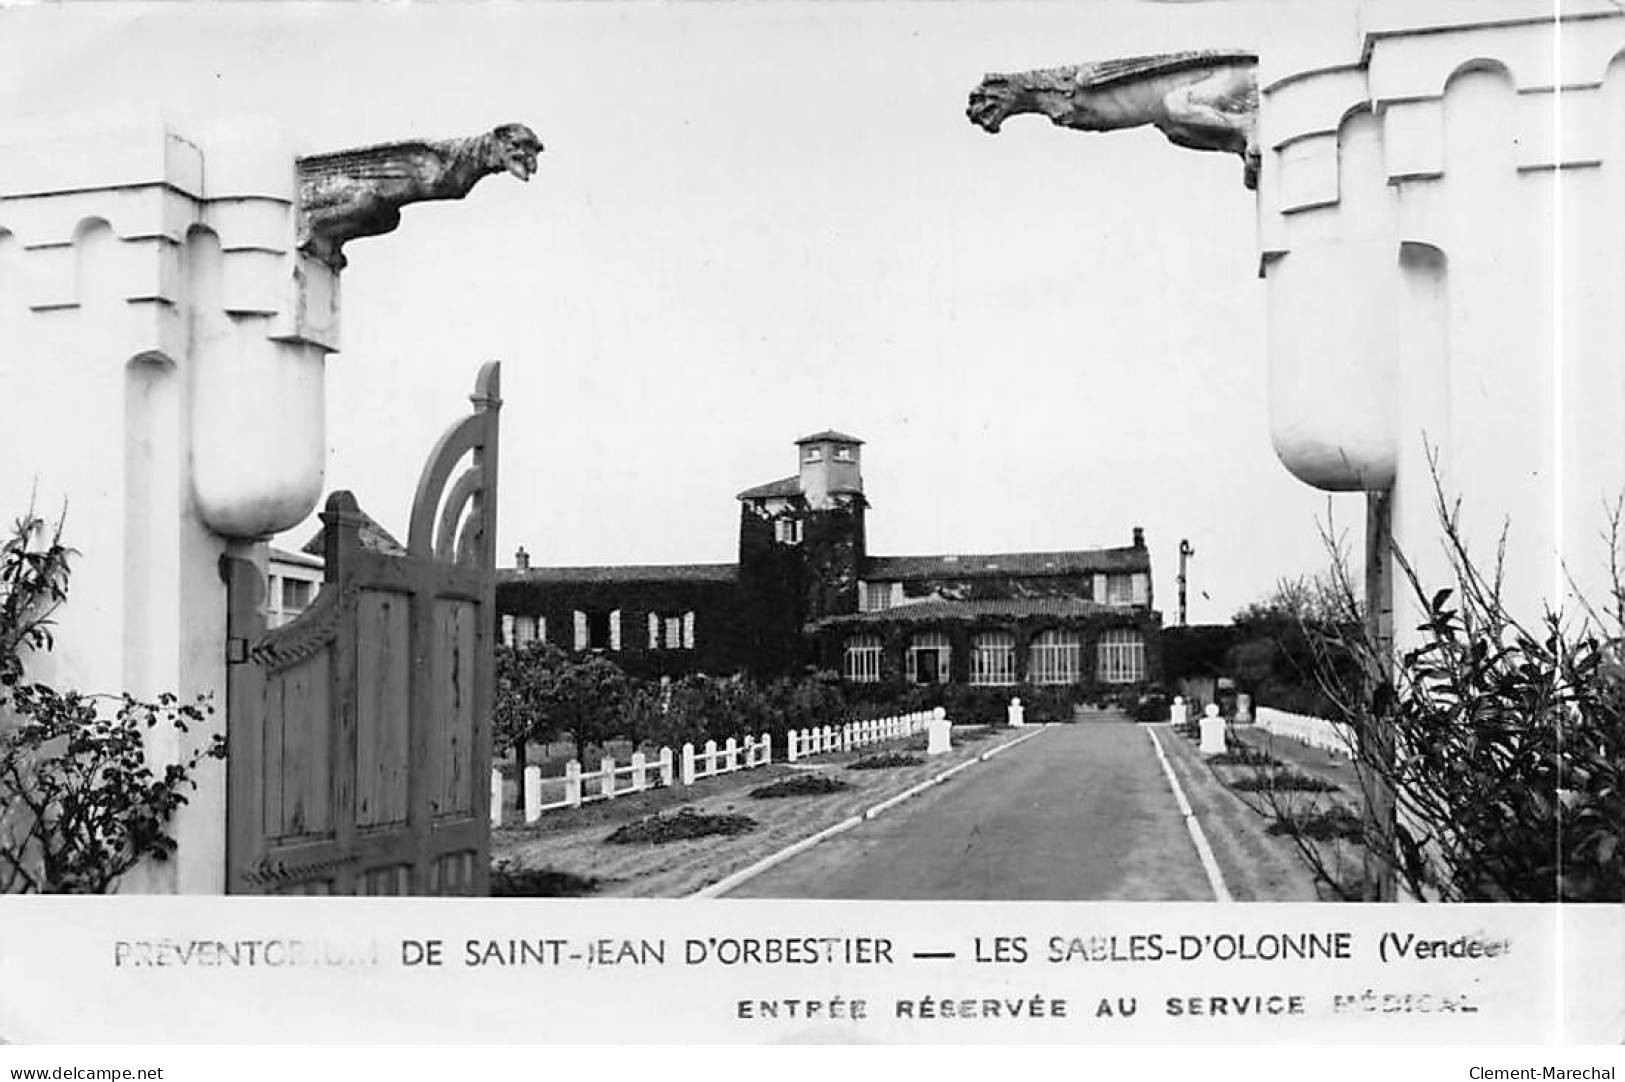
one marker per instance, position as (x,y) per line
(877,596)
(522,631)
(598,630)
(671,631)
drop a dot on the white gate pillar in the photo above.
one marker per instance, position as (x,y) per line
(162,380)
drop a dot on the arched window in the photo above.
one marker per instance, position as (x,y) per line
(993,659)
(861,660)
(927,660)
(1120,656)
(1054,658)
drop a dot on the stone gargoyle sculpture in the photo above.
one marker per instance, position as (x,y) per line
(360,192)
(1204,100)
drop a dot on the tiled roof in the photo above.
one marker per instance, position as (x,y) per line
(624,573)
(1083,561)
(931,611)
(830,435)
(789,486)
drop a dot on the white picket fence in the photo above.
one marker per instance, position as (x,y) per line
(688,764)
(1332,736)
(856,734)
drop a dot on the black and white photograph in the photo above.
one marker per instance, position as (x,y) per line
(727,512)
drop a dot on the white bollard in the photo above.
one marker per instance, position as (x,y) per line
(938,730)
(496,797)
(1212,732)
(710,758)
(688,764)
(533,793)
(606,777)
(1018,714)
(572,783)
(790,745)
(666,778)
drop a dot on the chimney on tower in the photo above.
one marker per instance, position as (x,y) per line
(1139,537)
(521,559)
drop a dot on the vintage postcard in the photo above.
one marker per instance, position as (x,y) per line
(812,522)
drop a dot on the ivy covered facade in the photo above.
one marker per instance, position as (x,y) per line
(805,591)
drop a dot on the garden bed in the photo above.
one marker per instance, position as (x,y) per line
(890,760)
(800,785)
(685,823)
(1282,780)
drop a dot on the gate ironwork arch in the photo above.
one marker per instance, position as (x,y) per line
(360,733)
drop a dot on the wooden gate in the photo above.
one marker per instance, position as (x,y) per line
(360,734)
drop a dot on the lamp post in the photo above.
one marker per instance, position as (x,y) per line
(1185,553)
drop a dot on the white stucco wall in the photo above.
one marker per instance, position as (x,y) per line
(1421,179)
(161,381)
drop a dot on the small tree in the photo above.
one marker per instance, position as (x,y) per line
(587,699)
(517,708)
(542,693)
(1284,641)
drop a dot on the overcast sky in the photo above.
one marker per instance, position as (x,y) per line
(751,222)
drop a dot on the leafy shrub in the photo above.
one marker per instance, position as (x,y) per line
(808,702)
(1494,752)
(701,708)
(509,881)
(79,803)
(968,704)
(1152,707)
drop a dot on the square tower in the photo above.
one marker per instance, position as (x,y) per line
(830,468)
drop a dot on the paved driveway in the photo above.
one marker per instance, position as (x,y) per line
(1079,812)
